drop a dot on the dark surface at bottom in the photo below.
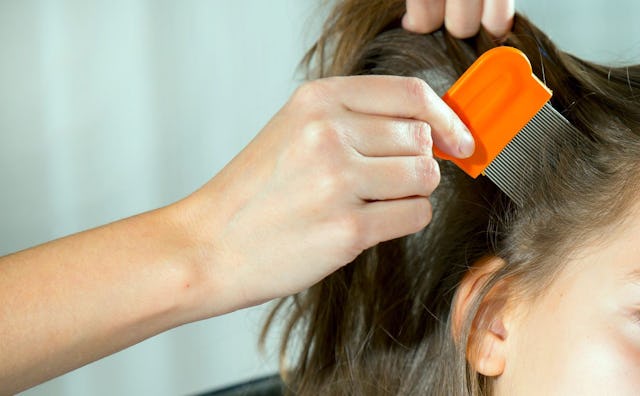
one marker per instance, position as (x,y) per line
(267,386)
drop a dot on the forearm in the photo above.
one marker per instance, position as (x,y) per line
(71,301)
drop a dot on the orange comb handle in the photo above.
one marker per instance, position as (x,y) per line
(496,97)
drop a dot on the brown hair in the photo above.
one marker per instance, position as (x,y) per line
(382,324)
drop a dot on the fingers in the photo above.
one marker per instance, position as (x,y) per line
(462,17)
(497,17)
(386,220)
(383,178)
(375,136)
(405,97)
(396,162)
(423,16)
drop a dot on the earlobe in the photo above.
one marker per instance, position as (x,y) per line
(486,346)
(486,349)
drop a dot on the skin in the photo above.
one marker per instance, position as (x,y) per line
(351,160)
(581,336)
(462,18)
(345,164)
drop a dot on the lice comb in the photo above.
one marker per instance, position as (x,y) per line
(506,109)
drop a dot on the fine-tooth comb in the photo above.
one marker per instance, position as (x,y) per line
(506,108)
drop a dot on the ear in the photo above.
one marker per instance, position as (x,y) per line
(486,347)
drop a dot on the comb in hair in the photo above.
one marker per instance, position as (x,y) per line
(506,108)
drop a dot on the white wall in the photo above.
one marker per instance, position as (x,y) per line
(598,30)
(109,108)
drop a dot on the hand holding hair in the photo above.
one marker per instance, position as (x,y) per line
(462,18)
(345,164)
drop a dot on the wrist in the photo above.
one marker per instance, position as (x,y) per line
(206,288)
(167,283)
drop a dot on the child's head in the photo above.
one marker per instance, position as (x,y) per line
(490,298)
(580,335)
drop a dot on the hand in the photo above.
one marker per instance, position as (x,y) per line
(462,18)
(345,164)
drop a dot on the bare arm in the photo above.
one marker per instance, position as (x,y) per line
(344,165)
(71,301)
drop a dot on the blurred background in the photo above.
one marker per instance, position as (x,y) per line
(111,108)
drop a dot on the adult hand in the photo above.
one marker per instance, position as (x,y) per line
(462,18)
(345,164)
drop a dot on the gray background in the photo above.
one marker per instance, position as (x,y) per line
(110,108)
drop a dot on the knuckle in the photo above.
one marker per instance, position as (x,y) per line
(422,213)
(419,91)
(321,148)
(435,173)
(350,227)
(428,174)
(320,135)
(311,93)
(329,186)
(422,137)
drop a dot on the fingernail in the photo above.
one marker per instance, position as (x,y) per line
(467,144)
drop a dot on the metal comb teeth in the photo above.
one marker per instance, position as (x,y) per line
(519,165)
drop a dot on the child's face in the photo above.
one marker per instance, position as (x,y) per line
(582,337)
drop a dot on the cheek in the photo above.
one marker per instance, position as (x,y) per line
(598,363)
(565,350)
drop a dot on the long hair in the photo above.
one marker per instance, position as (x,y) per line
(382,324)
